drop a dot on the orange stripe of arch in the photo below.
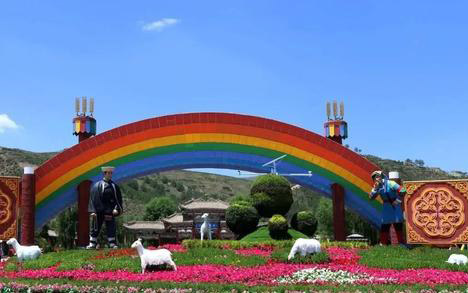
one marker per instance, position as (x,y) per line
(202,128)
(173,130)
(203,137)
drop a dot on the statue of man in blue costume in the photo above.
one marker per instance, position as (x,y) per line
(391,194)
(105,203)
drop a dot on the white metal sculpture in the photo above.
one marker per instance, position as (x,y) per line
(274,170)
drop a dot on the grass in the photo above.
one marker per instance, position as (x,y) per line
(66,260)
(194,287)
(262,234)
(216,256)
(215,252)
(396,257)
(76,259)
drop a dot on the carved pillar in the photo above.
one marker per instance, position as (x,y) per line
(83,216)
(339,228)
(28,206)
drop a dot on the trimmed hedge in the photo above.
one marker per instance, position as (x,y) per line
(278,227)
(304,222)
(271,194)
(239,244)
(242,218)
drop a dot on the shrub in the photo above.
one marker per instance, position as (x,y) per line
(67,223)
(241,199)
(133,184)
(159,207)
(278,227)
(236,244)
(304,222)
(242,218)
(271,194)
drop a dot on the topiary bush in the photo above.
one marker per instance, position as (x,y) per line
(304,222)
(271,194)
(278,227)
(242,218)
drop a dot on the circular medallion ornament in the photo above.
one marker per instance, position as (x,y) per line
(5,208)
(438,212)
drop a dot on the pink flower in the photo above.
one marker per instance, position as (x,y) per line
(341,259)
(254,251)
(174,247)
(343,256)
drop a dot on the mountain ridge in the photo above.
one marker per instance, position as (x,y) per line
(183,185)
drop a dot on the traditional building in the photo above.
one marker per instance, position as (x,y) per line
(146,229)
(186,223)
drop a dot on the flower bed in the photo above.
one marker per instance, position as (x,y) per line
(246,266)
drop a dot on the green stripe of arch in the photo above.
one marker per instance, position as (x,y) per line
(213,147)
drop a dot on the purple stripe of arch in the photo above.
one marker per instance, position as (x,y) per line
(210,159)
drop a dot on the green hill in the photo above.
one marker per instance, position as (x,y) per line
(179,184)
(184,185)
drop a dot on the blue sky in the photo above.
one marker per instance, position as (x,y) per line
(401,68)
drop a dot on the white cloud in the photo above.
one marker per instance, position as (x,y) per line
(161,24)
(7,123)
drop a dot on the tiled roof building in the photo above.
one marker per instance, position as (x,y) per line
(186,223)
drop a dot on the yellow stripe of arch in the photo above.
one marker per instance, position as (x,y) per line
(199,138)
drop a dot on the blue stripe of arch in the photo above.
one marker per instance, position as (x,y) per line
(211,159)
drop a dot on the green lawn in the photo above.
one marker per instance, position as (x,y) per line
(262,234)
(396,257)
(217,252)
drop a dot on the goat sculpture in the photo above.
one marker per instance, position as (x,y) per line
(304,247)
(205,229)
(24,252)
(153,257)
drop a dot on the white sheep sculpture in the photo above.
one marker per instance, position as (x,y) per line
(153,257)
(205,228)
(25,252)
(458,259)
(304,246)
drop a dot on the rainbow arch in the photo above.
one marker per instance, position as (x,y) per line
(205,140)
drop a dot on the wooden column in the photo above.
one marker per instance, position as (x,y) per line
(83,215)
(339,228)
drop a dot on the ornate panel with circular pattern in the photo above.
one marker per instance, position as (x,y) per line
(436,212)
(9,201)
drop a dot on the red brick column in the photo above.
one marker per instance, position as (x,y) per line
(339,229)
(28,206)
(83,215)
(338,205)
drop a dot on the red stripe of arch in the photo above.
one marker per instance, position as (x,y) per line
(203,123)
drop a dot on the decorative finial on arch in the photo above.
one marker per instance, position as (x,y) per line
(335,109)
(341,110)
(84,105)
(77,106)
(91,106)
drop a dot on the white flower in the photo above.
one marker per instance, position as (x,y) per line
(314,275)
